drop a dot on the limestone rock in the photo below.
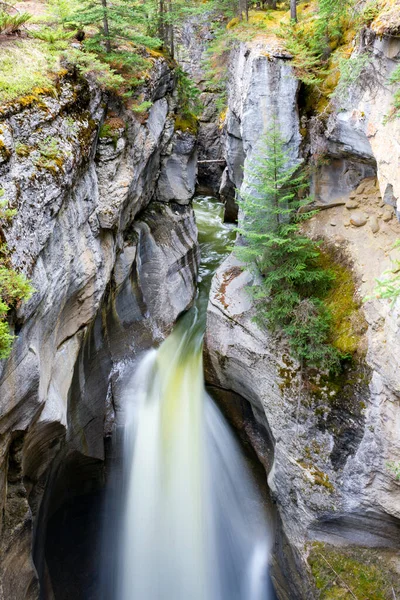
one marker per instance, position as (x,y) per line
(358,219)
(387,215)
(107,283)
(359,128)
(351,204)
(177,177)
(374,224)
(253,364)
(259,87)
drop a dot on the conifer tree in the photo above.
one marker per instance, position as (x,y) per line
(117,22)
(292,281)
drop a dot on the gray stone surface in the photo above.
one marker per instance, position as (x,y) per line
(107,284)
(177,179)
(360,135)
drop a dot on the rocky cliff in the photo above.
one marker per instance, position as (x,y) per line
(111,272)
(325,444)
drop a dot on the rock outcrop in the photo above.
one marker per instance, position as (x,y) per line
(79,168)
(330,444)
(362,136)
(262,88)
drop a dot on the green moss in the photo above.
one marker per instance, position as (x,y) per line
(352,572)
(187,122)
(4,151)
(26,65)
(348,324)
(22,149)
(319,477)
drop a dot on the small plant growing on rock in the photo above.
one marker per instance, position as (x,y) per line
(394,468)
(389,287)
(14,287)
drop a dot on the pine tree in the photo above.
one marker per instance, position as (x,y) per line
(117,23)
(293,10)
(292,280)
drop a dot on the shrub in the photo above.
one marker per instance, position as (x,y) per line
(14,287)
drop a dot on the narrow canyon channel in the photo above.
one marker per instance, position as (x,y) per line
(183,516)
(193,525)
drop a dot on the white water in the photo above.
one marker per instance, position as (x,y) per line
(193,526)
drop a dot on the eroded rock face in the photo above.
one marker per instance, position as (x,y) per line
(193,38)
(331,444)
(362,134)
(106,285)
(262,88)
(177,179)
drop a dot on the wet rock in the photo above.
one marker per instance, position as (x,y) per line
(358,219)
(227,194)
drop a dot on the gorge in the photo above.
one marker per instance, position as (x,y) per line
(127,250)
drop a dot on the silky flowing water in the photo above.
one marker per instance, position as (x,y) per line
(193,526)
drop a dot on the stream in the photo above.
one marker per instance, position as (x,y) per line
(192,523)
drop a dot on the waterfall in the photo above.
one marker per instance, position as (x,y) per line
(193,526)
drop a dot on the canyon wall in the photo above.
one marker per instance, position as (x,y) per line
(112,265)
(330,442)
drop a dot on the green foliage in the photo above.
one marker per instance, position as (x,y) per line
(350,72)
(292,279)
(14,287)
(352,572)
(26,66)
(395,80)
(6,214)
(142,108)
(53,36)
(89,63)
(389,288)
(11,24)
(62,10)
(49,148)
(394,468)
(114,23)
(216,66)
(189,105)
(370,11)
(312,41)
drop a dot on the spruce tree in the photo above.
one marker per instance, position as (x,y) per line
(116,22)
(292,280)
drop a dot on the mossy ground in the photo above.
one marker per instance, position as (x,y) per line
(348,573)
(26,65)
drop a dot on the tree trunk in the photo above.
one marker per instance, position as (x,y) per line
(171,29)
(293,10)
(161,21)
(106,26)
(247,9)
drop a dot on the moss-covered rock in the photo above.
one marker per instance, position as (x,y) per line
(362,573)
